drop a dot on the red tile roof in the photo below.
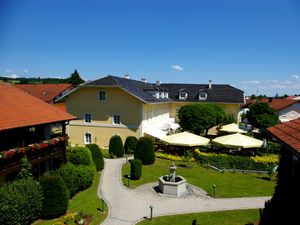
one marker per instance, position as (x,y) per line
(20,109)
(46,92)
(288,133)
(249,102)
(278,104)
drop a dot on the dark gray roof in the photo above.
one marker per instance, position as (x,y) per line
(218,93)
(135,87)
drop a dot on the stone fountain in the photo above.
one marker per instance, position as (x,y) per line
(171,184)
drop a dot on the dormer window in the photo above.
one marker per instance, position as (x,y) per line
(202,95)
(183,95)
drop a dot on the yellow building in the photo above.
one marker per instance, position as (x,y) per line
(114,105)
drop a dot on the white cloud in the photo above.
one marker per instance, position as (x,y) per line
(177,67)
(295,76)
(251,82)
(14,76)
(8,70)
(25,70)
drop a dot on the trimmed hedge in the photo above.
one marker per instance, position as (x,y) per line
(80,156)
(76,178)
(135,169)
(130,144)
(223,161)
(20,202)
(96,156)
(55,202)
(145,151)
(116,146)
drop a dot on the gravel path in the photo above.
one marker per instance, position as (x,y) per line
(127,206)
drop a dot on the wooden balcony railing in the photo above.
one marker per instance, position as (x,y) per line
(11,157)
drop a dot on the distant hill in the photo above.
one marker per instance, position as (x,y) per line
(38,80)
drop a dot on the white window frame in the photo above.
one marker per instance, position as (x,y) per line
(181,93)
(102,96)
(86,141)
(115,116)
(86,116)
(202,95)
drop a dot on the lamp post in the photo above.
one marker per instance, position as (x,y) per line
(126,156)
(151,212)
(128,180)
(214,190)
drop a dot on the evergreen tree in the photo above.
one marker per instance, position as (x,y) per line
(75,78)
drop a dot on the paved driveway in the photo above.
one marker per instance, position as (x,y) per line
(127,206)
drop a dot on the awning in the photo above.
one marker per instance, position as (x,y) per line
(155,132)
(238,140)
(186,139)
(232,128)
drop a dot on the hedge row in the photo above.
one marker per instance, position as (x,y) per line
(223,161)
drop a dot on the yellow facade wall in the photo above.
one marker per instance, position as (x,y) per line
(86,100)
(100,135)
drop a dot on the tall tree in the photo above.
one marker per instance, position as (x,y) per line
(198,118)
(75,78)
(261,116)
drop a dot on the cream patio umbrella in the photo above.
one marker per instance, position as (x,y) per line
(232,128)
(186,139)
(238,141)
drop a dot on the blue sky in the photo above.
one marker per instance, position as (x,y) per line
(253,45)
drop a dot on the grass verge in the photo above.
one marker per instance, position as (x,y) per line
(236,217)
(228,184)
(87,202)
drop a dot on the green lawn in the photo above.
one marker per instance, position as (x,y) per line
(86,201)
(228,184)
(236,217)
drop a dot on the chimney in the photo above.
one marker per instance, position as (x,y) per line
(144,80)
(157,83)
(209,84)
(126,76)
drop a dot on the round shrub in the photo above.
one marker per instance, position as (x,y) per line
(135,169)
(130,144)
(20,202)
(116,146)
(96,156)
(145,151)
(76,178)
(55,202)
(80,156)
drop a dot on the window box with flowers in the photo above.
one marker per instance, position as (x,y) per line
(36,149)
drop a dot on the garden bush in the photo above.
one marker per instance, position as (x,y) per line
(223,161)
(135,169)
(116,146)
(20,202)
(130,144)
(80,156)
(145,151)
(76,178)
(55,202)
(96,156)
